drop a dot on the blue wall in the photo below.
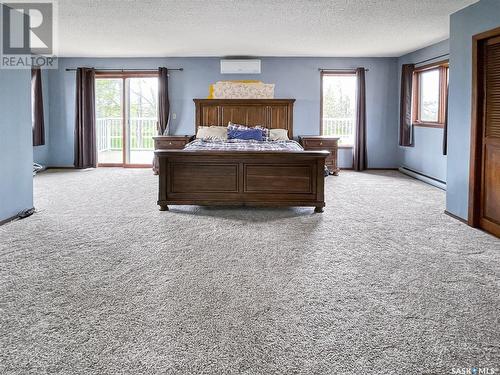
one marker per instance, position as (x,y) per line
(465,23)
(426,156)
(16,151)
(41,153)
(294,78)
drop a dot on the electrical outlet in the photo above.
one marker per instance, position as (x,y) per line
(174,115)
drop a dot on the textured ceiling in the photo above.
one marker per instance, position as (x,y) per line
(133,28)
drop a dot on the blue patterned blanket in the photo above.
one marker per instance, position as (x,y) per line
(242,145)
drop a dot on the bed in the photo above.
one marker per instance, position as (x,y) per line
(242,173)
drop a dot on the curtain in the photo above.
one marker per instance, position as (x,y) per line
(405,121)
(163,102)
(445,128)
(163,110)
(37,107)
(360,155)
(85,133)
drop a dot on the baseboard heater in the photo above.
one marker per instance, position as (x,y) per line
(422,177)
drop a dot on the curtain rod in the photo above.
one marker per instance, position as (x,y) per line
(341,70)
(434,58)
(123,70)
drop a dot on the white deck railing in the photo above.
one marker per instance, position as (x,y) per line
(110,133)
(142,130)
(340,127)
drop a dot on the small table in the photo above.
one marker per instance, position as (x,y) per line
(323,142)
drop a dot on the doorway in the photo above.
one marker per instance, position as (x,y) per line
(126,118)
(484,189)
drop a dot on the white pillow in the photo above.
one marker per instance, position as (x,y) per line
(278,135)
(212,132)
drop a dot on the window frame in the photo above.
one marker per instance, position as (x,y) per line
(443,68)
(331,73)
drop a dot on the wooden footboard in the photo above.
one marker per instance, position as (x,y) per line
(252,178)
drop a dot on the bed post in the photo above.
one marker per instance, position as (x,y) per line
(320,185)
(162,181)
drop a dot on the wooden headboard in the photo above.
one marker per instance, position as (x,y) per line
(271,113)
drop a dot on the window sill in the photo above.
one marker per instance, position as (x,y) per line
(345,146)
(429,125)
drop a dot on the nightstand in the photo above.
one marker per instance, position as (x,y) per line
(323,142)
(171,142)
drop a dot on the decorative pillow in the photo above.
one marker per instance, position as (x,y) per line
(212,132)
(278,135)
(247,134)
(265,131)
(233,126)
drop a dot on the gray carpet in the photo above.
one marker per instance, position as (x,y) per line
(99,281)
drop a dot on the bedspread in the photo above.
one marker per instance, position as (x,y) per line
(242,145)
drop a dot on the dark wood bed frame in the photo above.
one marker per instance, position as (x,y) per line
(249,178)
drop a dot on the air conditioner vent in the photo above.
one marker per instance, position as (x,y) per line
(240,66)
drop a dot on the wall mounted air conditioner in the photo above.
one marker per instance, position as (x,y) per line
(240,66)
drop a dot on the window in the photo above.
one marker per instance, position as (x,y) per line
(338,106)
(430,87)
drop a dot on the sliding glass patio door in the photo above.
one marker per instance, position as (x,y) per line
(126,118)
(109,120)
(142,109)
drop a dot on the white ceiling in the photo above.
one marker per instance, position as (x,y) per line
(133,28)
